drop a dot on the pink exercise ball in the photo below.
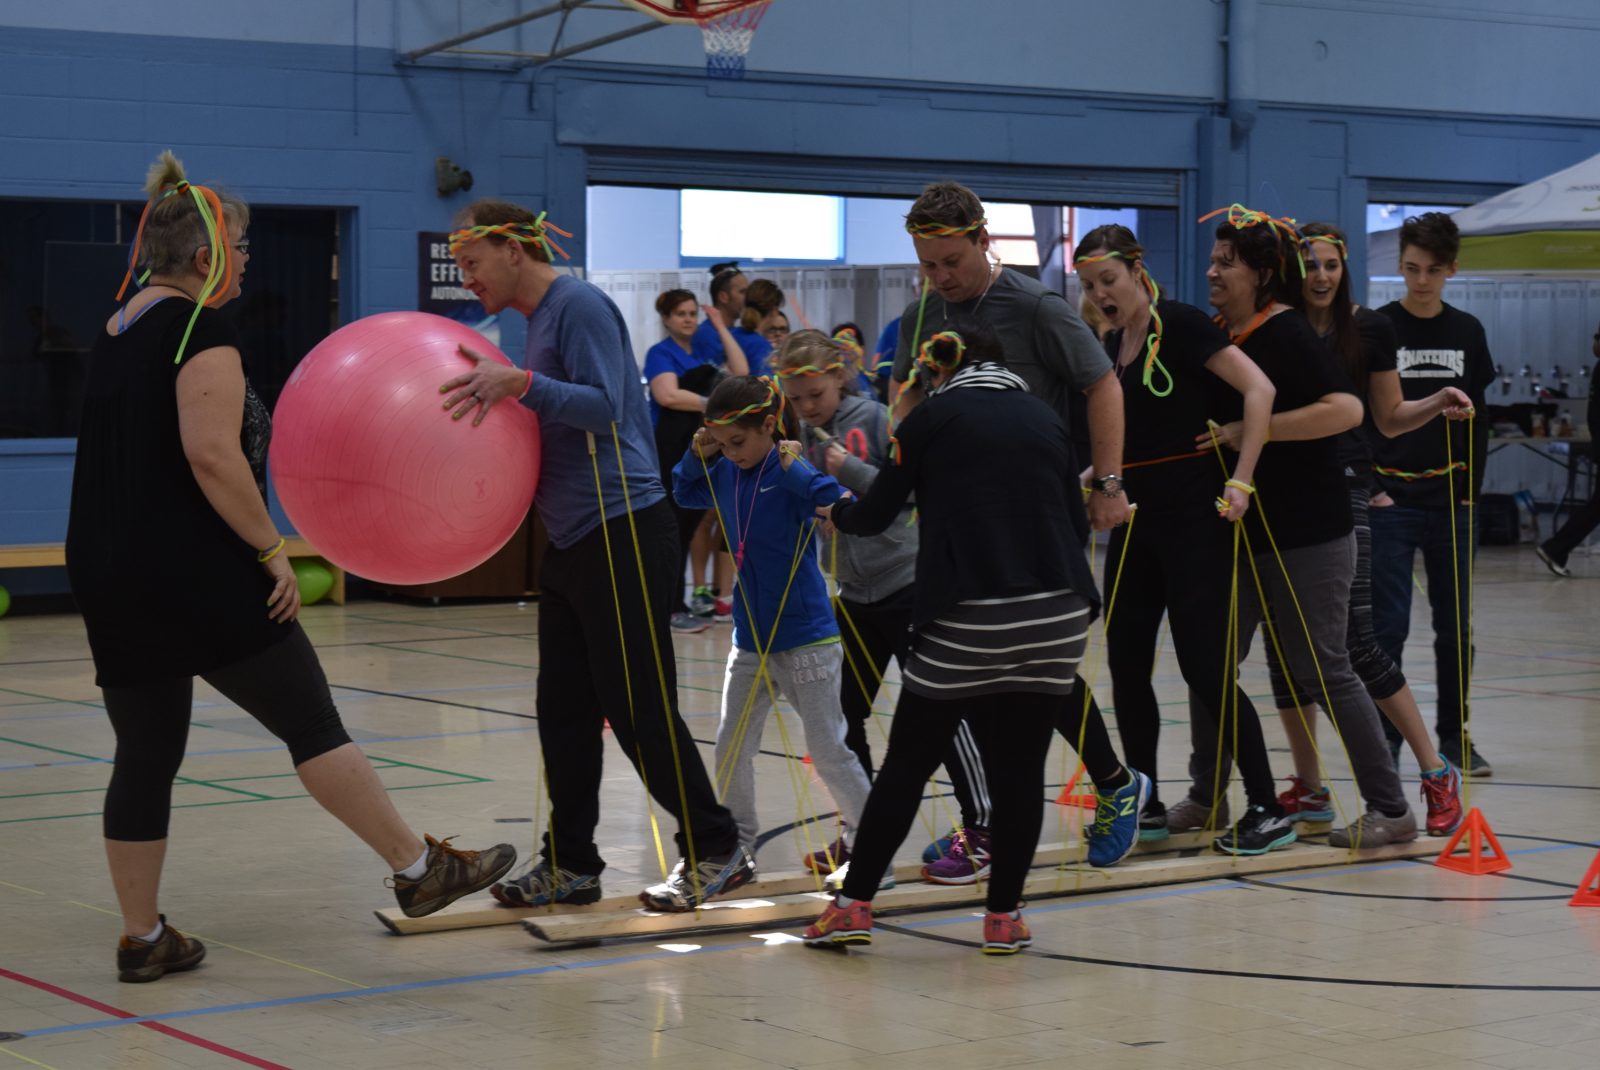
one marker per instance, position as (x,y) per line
(372,470)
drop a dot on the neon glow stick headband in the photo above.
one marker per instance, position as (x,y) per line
(774,398)
(808,371)
(847,340)
(535,233)
(1242,218)
(1337,243)
(940,230)
(1152,342)
(926,359)
(219,278)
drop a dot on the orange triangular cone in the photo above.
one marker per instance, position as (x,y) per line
(1589,888)
(1476,830)
(1070,798)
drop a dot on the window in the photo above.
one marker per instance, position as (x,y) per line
(772,227)
(59,272)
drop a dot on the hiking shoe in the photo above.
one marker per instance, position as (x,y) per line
(839,925)
(1372,829)
(1441,793)
(1005,934)
(1471,763)
(722,610)
(1116,821)
(701,604)
(1300,803)
(452,873)
(1256,833)
(717,875)
(967,861)
(1191,815)
(829,859)
(687,624)
(171,952)
(1153,822)
(834,881)
(543,885)
(940,847)
(1556,563)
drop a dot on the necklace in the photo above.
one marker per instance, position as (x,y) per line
(742,531)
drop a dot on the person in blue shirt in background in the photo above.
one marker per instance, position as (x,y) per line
(849,337)
(596,665)
(883,359)
(785,639)
(679,380)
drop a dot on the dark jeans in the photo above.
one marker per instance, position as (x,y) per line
(1586,517)
(589,674)
(872,633)
(1013,736)
(1398,532)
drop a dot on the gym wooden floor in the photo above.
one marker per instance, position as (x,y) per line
(1396,963)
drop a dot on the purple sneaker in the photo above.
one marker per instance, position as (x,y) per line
(966,863)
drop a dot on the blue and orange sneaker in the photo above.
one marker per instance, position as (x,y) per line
(1116,821)
(1005,934)
(839,926)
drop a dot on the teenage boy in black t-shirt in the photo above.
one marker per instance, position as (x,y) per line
(1427,483)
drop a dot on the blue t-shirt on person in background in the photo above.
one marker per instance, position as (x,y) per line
(668,356)
(584,381)
(706,346)
(885,350)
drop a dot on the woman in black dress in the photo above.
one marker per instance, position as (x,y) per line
(171,469)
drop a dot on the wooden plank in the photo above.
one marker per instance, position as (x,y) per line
(1042,883)
(33,555)
(479,913)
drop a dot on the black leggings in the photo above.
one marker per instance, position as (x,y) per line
(872,633)
(282,687)
(1013,735)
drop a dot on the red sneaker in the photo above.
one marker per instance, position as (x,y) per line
(1300,803)
(841,925)
(1441,792)
(1004,934)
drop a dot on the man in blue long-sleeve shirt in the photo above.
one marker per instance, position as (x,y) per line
(582,381)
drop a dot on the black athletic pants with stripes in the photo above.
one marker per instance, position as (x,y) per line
(1012,732)
(590,674)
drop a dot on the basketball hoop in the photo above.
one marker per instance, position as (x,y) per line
(726,27)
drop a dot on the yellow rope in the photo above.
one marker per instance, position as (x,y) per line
(1463,677)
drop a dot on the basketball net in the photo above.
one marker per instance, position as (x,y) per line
(727,39)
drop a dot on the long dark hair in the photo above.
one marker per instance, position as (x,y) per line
(1345,340)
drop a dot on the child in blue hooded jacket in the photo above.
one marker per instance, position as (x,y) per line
(785,639)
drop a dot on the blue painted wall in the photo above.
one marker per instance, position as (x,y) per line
(301,102)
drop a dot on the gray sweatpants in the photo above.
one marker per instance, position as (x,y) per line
(1321,575)
(809,678)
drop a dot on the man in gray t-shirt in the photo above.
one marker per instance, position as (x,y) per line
(1042,336)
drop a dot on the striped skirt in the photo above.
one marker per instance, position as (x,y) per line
(993,645)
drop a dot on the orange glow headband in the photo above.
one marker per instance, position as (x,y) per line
(1241,218)
(939,230)
(774,398)
(808,371)
(1152,342)
(219,279)
(535,233)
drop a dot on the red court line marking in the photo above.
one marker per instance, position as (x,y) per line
(178,1034)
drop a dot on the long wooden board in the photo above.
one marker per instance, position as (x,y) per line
(480,912)
(1043,883)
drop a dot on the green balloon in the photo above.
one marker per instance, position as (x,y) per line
(5,601)
(314,578)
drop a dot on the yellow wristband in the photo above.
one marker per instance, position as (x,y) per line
(1239,484)
(267,555)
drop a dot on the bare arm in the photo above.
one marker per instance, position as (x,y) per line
(669,395)
(1104,396)
(1328,415)
(732,351)
(210,410)
(1394,415)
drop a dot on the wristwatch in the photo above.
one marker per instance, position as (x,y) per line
(1110,486)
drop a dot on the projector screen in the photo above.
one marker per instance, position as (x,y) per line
(737,225)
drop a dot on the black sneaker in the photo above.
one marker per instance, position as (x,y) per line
(684,891)
(1153,821)
(543,885)
(1471,764)
(1553,561)
(171,952)
(1256,833)
(452,873)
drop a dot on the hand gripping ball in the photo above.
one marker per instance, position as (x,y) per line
(375,474)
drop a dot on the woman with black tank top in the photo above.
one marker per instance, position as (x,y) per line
(170,475)
(1364,344)
(1299,531)
(1175,555)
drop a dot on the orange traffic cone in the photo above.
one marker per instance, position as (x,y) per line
(1589,888)
(1476,829)
(1070,798)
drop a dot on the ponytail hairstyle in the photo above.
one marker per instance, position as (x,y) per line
(179,219)
(1119,243)
(807,354)
(746,401)
(760,297)
(1346,340)
(963,343)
